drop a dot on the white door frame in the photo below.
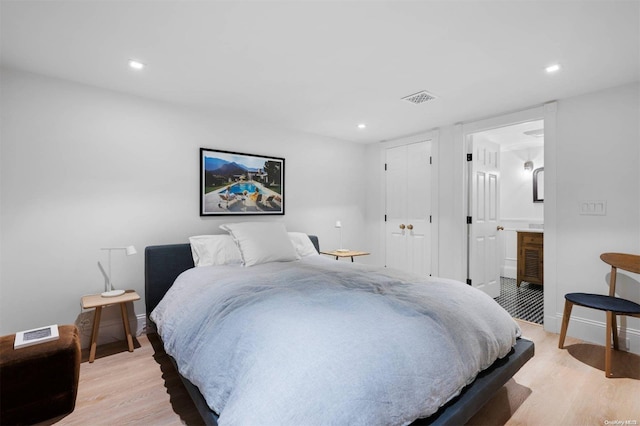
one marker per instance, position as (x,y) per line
(546,112)
(430,136)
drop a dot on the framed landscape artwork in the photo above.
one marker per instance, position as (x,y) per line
(233,183)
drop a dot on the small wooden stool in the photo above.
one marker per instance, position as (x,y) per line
(98,302)
(39,382)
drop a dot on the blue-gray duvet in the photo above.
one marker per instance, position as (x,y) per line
(317,341)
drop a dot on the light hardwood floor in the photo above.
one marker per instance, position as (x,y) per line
(556,387)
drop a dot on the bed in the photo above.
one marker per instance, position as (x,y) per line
(169,264)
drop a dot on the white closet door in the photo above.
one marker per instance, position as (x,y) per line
(419,208)
(396,208)
(408,196)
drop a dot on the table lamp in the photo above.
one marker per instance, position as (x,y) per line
(109,291)
(339,225)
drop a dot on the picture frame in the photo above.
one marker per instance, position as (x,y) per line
(35,336)
(240,184)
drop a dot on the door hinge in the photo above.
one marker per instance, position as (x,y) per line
(469,281)
(385,217)
(430,219)
(385,167)
(469,157)
(430,160)
(469,221)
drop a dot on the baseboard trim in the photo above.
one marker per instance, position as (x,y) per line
(141,320)
(111,329)
(594,332)
(509,272)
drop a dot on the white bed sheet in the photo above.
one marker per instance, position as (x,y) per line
(317,341)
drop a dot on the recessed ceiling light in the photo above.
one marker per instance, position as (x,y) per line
(362,126)
(136,65)
(552,68)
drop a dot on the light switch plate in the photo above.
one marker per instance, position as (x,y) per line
(593,207)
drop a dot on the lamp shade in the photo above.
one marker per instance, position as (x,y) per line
(130,250)
(338,224)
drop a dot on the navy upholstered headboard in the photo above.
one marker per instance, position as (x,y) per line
(163,264)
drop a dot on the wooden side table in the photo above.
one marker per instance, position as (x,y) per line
(349,253)
(98,302)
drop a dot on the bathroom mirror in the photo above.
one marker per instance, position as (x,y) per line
(538,185)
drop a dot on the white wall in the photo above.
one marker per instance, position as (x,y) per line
(594,156)
(516,185)
(598,152)
(83,168)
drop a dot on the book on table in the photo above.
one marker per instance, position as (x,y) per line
(36,336)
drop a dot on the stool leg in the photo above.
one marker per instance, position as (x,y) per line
(94,333)
(125,322)
(565,322)
(614,331)
(607,346)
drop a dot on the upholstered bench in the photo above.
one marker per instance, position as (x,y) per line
(39,382)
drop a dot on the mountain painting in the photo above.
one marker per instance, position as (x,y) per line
(233,183)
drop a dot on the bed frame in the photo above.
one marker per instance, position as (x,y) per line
(164,263)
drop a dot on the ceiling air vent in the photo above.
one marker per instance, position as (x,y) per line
(419,98)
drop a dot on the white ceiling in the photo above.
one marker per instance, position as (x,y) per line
(325,66)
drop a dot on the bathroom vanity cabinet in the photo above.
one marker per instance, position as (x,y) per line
(530,258)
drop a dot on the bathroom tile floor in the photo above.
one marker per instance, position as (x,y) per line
(525,303)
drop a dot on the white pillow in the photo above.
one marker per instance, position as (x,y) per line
(262,242)
(302,243)
(208,250)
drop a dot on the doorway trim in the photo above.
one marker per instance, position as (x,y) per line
(546,112)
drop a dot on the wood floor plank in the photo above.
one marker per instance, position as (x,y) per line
(557,387)
(568,386)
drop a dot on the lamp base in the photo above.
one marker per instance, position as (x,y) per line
(112,293)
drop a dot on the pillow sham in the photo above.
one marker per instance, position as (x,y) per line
(303,245)
(208,250)
(262,242)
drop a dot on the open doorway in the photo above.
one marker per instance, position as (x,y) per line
(521,218)
(506,216)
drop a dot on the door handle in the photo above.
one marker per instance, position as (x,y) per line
(409,227)
(500,228)
(402,226)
